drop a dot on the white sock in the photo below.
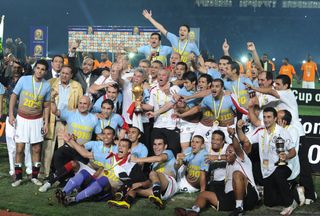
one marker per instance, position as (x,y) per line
(239,203)
(196,208)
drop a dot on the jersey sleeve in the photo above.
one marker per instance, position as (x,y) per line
(169,154)
(172,38)
(89,145)
(1,89)
(97,127)
(143,49)
(18,88)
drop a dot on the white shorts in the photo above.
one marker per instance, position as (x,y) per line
(85,167)
(172,188)
(206,133)
(28,130)
(203,131)
(185,187)
(309,85)
(186,130)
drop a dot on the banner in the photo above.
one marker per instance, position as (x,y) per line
(1,32)
(311,125)
(309,97)
(2,128)
(313,153)
(109,38)
(39,41)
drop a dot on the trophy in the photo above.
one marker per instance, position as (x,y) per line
(137,91)
(280,142)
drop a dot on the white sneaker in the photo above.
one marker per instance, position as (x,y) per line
(36,181)
(288,211)
(16,183)
(45,187)
(302,198)
(308,201)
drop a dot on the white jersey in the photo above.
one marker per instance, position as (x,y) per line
(294,162)
(288,102)
(157,99)
(219,173)
(244,166)
(267,147)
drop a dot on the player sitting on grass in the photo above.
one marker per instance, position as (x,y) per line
(162,176)
(192,167)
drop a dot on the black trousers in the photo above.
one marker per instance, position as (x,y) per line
(305,170)
(64,154)
(172,136)
(256,167)
(277,190)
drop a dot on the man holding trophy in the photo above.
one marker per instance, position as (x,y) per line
(276,149)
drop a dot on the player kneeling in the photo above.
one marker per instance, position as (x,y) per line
(240,190)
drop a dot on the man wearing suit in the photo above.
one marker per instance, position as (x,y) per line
(84,74)
(56,65)
(66,94)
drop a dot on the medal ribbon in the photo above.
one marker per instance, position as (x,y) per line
(36,95)
(217,114)
(237,92)
(184,47)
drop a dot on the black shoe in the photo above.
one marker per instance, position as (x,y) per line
(60,195)
(237,212)
(185,212)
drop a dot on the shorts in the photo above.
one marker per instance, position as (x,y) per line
(28,130)
(186,130)
(185,187)
(172,188)
(85,167)
(227,201)
(308,84)
(205,132)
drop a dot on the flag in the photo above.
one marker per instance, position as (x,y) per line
(1,32)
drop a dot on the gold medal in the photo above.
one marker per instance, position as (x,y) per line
(217,112)
(106,172)
(36,94)
(216,123)
(265,163)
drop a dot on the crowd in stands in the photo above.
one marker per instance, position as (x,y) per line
(177,123)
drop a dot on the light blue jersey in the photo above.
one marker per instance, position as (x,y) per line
(81,125)
(162,52)
(196,162)
(226,112)
(32,95)
(238,88)
(2,90)
(166,167)
(214,74)
(100,151)
(183,48)
(115,121)
(140,151)
(96,108)
(191,102)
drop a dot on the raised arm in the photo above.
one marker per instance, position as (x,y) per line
(269,91)
(148,16)
(235,142)
(152,159)
(251,47)
(242,137)
(225,48)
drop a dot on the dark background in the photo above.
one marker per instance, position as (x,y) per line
(291,33)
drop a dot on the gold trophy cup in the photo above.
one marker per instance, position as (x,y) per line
(137,91)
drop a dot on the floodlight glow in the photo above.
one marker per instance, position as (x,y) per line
(244,59)
(131,55)
(273,59)
(304,61)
